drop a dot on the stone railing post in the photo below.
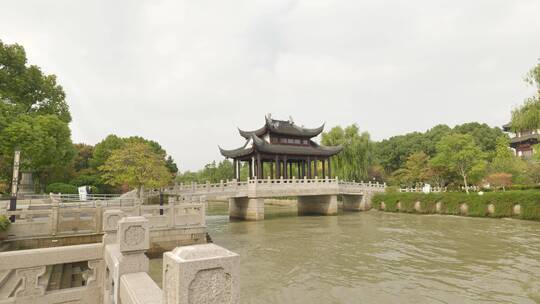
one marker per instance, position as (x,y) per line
(171,214)
(54,217)
(110,224)
(201,274)
(127,254)
(99,218)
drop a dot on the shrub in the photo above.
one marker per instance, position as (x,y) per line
(61,188)
(85,180)
(477,204)
(4,223)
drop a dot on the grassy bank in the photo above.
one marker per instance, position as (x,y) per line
(503,203)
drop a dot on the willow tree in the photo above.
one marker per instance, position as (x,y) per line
(527,116)
(137,165)
(357,155)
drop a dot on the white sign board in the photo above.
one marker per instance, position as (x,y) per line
(82,193)
(15,181)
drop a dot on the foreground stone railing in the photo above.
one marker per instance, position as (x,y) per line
(31,276)
(192,274)
(67,220)
(116,271)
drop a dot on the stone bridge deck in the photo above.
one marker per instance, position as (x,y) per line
(315,196)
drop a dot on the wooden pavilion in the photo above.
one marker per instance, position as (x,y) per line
(287,149)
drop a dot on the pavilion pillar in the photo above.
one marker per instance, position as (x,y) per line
(272,169)
(309,167)
(315,167)
(329,168)
(323,168)
(259,167)
(250,173)
(278,167)
(285,176)
(303,168)
(290,170)
(235,169)
(298,169)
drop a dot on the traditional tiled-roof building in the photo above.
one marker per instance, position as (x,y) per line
(283,145)
(523,141)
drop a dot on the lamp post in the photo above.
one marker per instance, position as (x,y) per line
(14,184)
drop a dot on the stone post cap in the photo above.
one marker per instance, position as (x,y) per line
(111,218)
(133,234)
(200,252)
(201,274)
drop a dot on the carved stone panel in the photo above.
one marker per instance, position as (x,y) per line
(30,282)
(111,219)
(133,234)
(201,274)
(210,286)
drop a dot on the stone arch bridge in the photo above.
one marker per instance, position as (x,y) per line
(315,196)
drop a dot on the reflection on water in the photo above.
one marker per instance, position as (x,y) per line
(376,257)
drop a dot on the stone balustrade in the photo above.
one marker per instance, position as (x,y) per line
(276,187)
(32,276)
(315,196)
(171,225)
(58,221)
(419,190)
(116,271)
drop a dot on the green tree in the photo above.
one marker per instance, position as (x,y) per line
(44,141)
(416,171)
(460,154)
(485,136)
(393,153)
(25,89)
(504,159)
(104,149)
(83,156)
(137,165)
(212,172)
(357,155)
(34,116)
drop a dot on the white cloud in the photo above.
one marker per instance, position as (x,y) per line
(187,73)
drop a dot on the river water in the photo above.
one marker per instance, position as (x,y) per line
(377,257)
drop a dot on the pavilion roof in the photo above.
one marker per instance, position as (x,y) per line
(255,143)
(531,138)
(283,127)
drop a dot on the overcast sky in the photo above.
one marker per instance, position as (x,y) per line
(188,73)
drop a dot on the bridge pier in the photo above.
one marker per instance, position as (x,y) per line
(317,205)
(356,202)
(246,208)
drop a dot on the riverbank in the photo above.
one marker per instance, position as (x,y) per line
(516,204)
(379,257)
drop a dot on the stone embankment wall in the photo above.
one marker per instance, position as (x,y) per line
(516,204)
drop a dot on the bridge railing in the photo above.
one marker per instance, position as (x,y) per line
(222,186)
(229,187)
(58,221)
